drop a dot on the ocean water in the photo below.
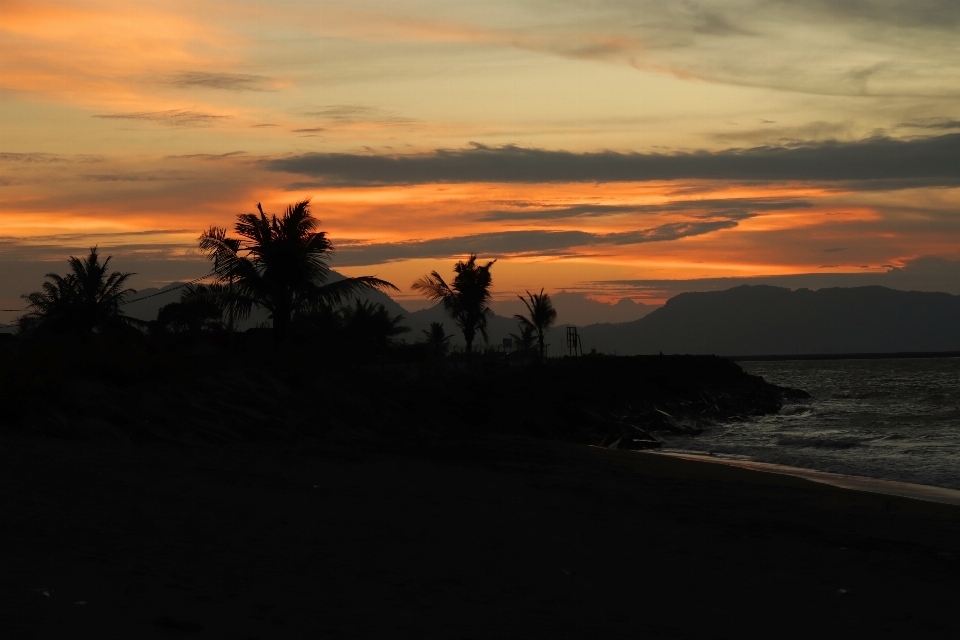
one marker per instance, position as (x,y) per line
(896,419)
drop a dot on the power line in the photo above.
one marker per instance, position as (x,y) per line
(152,295)
(161,293)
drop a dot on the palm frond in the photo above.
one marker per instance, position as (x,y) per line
(433,287)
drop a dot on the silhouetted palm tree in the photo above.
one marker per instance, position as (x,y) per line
(279,264)
(437,338)
(223,292)
(85,300)
(196,311)
(370,325)
(526,338)
(542,315)
(466,299)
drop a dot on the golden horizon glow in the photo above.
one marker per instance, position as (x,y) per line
(136,126)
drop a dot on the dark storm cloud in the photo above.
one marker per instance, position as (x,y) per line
(731,209)
(222,81)
(930,161)
(538,242)
(171,118)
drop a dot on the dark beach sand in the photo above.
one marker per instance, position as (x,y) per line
(494,538)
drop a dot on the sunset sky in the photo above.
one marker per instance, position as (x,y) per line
(598,146)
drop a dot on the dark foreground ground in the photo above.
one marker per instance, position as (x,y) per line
(493,538)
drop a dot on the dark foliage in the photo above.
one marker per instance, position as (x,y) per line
(437,339)
(524,340)
(370,328)
(249,389)
(196,312)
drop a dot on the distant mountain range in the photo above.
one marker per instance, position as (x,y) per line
(573,308)
(745,320)
(766,320)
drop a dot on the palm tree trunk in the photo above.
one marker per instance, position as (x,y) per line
(281,322)
(468,337)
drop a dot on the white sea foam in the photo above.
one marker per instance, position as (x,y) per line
(896,420)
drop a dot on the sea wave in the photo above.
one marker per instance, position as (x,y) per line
(819,442)
(895,419)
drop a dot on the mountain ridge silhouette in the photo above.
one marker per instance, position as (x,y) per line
(746,320)
(769,320)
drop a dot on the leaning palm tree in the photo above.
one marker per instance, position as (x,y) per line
(541,316)
(279,264)
(84,301)
(466,299)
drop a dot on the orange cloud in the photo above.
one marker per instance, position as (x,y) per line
(105,54)
(765,229)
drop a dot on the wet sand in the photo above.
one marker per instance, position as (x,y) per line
(489,538)
(857,483)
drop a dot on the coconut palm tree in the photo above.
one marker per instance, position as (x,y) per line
(279,264)
(541,316)
(370,325)
(437,338)
(466,299)
(525,339)
(223,292)
(197,311)
(84,301)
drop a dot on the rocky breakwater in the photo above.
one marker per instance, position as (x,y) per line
(625,402)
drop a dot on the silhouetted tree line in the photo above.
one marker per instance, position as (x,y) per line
(279,264)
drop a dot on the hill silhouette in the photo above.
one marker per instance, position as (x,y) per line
(767,320)
(743,321)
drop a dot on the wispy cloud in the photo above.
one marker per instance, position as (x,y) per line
(731,208)
(926,273)
(221,80)
(32,158)
(229,155)
(130,177)
(184,118)
(943,124)
(351,114)
(47,158)
(518,243)
(342,112)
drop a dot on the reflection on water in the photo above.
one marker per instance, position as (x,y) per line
(894,419)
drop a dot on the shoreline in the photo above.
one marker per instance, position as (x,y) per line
(494,537)
(894,355)
(927,493)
